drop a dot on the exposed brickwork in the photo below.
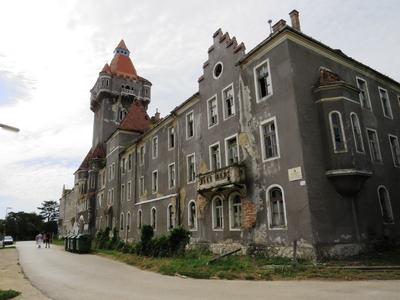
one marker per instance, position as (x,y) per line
(249,214)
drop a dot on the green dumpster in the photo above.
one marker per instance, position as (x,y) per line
(66,242)
(72,244)
(83,243)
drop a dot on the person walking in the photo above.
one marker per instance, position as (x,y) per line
(47,240)
(39,240)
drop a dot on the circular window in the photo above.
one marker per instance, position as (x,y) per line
(217,70)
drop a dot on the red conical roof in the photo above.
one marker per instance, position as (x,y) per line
(122,45)
(106,69)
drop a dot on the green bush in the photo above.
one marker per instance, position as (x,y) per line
(178,239)
(102,239)
(8,294)
(160,246)
(144,247)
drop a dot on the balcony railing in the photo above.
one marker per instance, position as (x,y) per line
(125,91)
(230,175)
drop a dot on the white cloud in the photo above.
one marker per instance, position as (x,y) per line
(51,52)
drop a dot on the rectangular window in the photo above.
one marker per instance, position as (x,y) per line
(141,155)
(154,182)
(123,165)
(228,102)
(189,125)
(112,196)
(122,192)
(141,186)
(104,178)
(373,143)
(262,79)
(215,156)
(269,139)
(364,94)
(109,197)
(212,111)
(129,162)
(129,191)
(113,171)
(171,138)
(171,175)
(109,173)
(231,150)
(387,109)
(191,169)
(394,146)
(154,147)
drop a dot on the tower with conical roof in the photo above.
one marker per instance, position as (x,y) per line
(116,89)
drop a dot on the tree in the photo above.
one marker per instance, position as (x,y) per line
(49,211)
(23,226)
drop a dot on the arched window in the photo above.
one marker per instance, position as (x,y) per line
(337,132)
(235,212)
(170,217)
(121,221)
(192,215)
(355,125)
(153,218)
(386,207)
(128,222)
(218,218)
(276,207)
(139,219)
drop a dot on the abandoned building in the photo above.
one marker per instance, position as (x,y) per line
(293,142)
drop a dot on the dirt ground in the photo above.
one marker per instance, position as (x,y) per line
(11,276)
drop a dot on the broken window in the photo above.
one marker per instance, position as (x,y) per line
(154,185)
(191,171)
(215,157)
(217,213)
(358,141)
(374,145)
(171,175)
(385,204)
(236,211)
(155,147)
(229,104)
(232,151)
(171,217)
(270,141)
(387,110)
(337,131)
(277,208)
(139,219)
(141,186)
(171,138)
(394,146)
(141,155)
(128,222)
(189,125)
(192,216)
(153,217)
(364,95)
(212,112)
(263,80)
(122,192)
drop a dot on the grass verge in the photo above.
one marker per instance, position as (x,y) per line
(8,294)
(58,242)
(195,265)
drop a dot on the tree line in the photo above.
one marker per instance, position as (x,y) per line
(25,226)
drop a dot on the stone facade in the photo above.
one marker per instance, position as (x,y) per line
(293,145)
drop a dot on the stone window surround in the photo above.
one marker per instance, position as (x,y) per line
(380,159)
(154,184)
(263,150)
(194,227)
(153,218)
(142,154)
(224,103)
(187,125)
(230,200)
(154,147)
(359,128)
(187,167)
(139,219)
(213,213)
(368,98)
(141,186)
(209,126)
(227,139)
(390,211)
(269,208)
(169,227)
(128,221)
(266,61)
(169,131)
(219,155)
(396,139)
(169,175)
(121,222)
(129,191)
(333,133)
(385,91)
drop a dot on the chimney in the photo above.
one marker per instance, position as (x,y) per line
(278,26)
(157,115)
(294,17)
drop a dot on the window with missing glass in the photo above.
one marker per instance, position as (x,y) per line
(153,218)
(191,169)
(232,150)
(189,125)
(171,175)
(269,140)
(395,149)
(337,132)
(235,203)
(357,135)
(263,83)
(215,157)
(171,217)
(374,148)
(387,109)
(171,138)
(364,95)
(154,147)
(228,102)
(192,215)
(212,111)
(277,217)
(218,213)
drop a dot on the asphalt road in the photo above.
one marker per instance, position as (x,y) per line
(63,275)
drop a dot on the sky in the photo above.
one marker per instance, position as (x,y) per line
(52,51)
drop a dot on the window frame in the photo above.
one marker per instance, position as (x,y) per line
(391,150)
(194,227)
(366,91)
(354,136)
(226,140)
(381,89)
(187,125)
(214,97)
(231,212)
(130,156)
(122,192)
(380,160)
(187,168)
(341,129)
(128,222)
(222,69)
(169,227)
(139,220)
(258,99)
(129,190)
(219,155)
(263,150)
(154,191)
(121,222)
(169,176)
(389,206)
(169,129)
(225,117)
(142,154)
(153,218)
(141,186)
(269,208)
(154,151)
(214,212)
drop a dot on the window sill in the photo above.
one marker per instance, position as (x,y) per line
(264,98)
(271,159)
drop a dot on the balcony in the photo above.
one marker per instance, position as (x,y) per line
(125,91)
(229,176)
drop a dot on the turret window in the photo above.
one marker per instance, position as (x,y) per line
(337,132)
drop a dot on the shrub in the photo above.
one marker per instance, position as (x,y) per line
(178,239)
(160,247)
(102,238)
(8,294)
(144,246)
